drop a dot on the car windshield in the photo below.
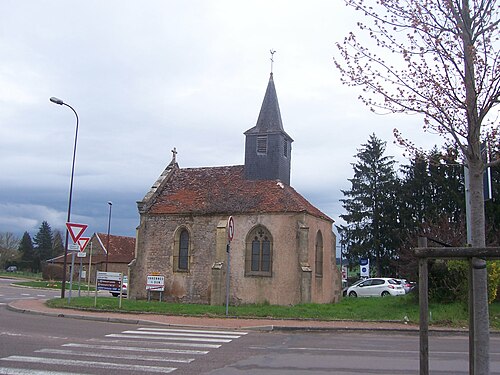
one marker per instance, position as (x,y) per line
(394,281)
(357,282)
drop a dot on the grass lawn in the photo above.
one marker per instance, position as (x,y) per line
(367,309)
(37,283)
(375,309)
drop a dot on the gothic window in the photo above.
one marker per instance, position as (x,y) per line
(285,148)
(262,144)
(319,255)
(181,256)
(259,252)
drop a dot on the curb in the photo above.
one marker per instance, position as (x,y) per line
(263,328)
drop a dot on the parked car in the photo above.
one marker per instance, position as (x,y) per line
(11,269)
(344,289)
(407,286)
(376,287)
(124,288)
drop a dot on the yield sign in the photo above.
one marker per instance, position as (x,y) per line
(82,242)
(76,230)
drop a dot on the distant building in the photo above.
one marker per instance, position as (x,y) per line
(283,249)
(121,252)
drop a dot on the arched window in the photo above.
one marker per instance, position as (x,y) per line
(182,246)
(318,269)
(259,252)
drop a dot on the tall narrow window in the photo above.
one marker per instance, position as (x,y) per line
(183,251)
(319,255)
(285,147)
(262,144)
(259,252)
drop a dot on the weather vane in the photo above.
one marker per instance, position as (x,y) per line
(272,58)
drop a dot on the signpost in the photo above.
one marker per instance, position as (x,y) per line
(364,267)
(82,243)
(75,231)
(155,283)
(110,281)
(230,234)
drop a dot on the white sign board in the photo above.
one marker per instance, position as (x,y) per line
(111,281)
(155,283)
(74,247)
(364,267)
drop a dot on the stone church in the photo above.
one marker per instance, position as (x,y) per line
(283,249)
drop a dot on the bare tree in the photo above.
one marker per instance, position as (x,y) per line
(8,248)
(438,58)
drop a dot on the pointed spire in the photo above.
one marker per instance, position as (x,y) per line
(270,116)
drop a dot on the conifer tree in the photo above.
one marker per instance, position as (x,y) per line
(43,245)
(57,244)
(27,251)
(371,210)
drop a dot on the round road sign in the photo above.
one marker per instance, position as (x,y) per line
(230,228)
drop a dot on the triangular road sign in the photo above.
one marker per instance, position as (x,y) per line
(76,230)
(82,242)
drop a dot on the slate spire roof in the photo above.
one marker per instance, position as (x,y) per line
(269,120)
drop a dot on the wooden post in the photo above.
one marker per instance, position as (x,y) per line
(423,296)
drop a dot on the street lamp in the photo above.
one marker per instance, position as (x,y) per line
(60,102)
(107,241)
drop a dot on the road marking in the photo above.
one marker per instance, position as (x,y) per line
(138,349)
(182,344)
(168,338)
(88,364)
(163,333)
(22,371)
(75,353)
(237,333)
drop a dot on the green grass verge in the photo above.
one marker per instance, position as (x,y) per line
(363,309)
(21,275)
(52,285)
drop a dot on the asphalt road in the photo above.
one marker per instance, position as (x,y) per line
(37,344)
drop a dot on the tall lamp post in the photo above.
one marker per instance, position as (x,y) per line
(107,241)
(60,102)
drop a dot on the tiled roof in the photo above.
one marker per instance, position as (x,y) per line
(224,190)
(121,248)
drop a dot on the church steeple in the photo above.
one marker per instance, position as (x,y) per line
(268,147)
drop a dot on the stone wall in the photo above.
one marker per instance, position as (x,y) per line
(293,279)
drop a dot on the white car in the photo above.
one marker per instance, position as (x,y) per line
(124,288)
(376,287)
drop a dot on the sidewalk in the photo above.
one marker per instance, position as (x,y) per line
(37,306)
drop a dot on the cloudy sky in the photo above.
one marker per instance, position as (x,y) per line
(148,76)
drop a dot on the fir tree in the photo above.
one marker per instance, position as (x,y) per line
(27,251)
(371,207)
(43,245)
(57,244)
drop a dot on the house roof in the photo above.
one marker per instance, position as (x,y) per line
(121,248)
(224,190)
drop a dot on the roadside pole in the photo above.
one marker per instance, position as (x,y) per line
(230,234)
(90,265)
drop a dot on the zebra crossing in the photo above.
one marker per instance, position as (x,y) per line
(145,350)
